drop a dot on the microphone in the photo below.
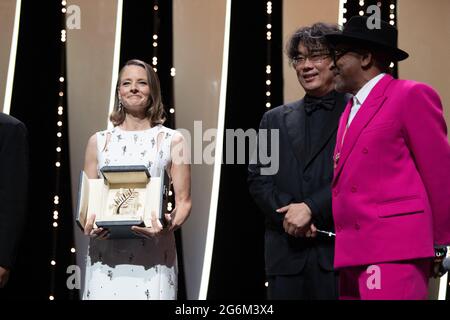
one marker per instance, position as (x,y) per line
(328,233)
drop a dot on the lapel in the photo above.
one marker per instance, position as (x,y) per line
(367,111)
(294,119)
(329,128)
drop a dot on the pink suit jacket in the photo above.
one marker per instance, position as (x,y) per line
(391,184)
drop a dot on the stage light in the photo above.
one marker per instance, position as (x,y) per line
(268,51)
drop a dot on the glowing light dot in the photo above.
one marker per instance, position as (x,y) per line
(61,93)
(55,224)
(58,149)
(72,250)
(59,134)
(391,23)
(52,262)
(51,298)
(268,82)
(172,110)
(361,13)
(59,123)
(269,26)
(61,79)
(63,10)
(268,105)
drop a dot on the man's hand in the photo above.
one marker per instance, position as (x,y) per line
(297,220)
(4,276)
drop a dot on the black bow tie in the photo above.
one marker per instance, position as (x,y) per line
(313,103)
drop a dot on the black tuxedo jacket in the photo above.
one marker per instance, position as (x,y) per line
(300,178)
(13,186)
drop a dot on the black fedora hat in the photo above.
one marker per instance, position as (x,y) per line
(358,30)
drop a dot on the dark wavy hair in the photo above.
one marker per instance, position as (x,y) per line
(312,37)
(155,109)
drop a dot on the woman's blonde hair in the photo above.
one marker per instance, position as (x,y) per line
(155,109)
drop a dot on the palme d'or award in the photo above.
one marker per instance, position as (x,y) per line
(125,196)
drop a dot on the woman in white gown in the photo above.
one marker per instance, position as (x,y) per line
(137,268)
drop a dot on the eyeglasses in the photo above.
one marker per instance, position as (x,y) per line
(336,54)
(315,58)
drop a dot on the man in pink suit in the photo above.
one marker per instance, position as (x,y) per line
(391,184)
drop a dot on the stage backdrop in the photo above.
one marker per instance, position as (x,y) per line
(90,51)
(7,11)
(424,32)
(198,33)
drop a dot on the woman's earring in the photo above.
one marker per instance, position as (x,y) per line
(120,105)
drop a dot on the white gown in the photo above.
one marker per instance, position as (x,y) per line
(138,269)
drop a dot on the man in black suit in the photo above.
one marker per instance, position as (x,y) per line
(13,190)
(296,200)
